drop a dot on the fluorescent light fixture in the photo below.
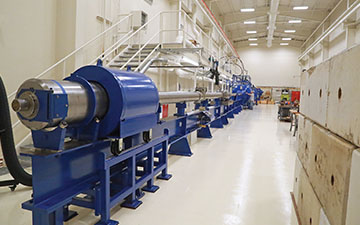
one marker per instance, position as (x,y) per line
(286,39)
(284,44)
(253,44)
(305,7)
(253,39)
(247,10)
(250,22)
(289,31)
(295,21)
(251,32)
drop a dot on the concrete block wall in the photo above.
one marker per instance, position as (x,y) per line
(328,163)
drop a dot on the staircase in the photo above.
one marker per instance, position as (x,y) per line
(128,53)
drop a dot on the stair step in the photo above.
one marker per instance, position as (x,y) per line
(144,50)
(133,53)
(124,61)
(127,57)
(118,65)
(137,49)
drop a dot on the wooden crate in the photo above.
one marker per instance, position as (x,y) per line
(297,171)
(304,98)
(307,203)
(353,205)
(329,172)
(314,90)
(304,140)
(343,105)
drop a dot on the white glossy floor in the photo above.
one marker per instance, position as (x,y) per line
(243,176)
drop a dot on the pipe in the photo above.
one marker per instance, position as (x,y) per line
(152,61)
(178,96)
(183,96)
(7,142)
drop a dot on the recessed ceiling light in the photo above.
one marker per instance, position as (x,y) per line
(286,39)
(301,7)
(251,32)
(289,31)
(284,44)
(295,21)
(247,10)
(250,22)
(253,39)
(253,44)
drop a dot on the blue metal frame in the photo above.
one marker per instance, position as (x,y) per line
(106,181)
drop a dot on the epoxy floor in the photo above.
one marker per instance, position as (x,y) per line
(243,176)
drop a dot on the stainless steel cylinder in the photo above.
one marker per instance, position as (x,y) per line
(183,96)
(179,96)
(27,103)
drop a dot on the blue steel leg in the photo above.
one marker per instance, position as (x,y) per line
(69,214)
(41,217)
(104,195)
(204,132)
(163,159)
(224,120)
(132,202)
(150,187)
(230,114)
(181,147)
(217,123)
(139,193)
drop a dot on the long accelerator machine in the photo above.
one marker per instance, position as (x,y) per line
(98,140)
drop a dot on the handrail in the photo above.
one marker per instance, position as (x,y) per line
(348,12)
(322,23)
(139,51)
(140,28)
(113,48)
(147,58)
(75,51)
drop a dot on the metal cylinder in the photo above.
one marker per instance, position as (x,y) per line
(178,96)
(27,103)
(183,96)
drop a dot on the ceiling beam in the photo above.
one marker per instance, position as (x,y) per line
(274,6)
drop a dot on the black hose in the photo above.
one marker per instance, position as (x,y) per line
(7,142)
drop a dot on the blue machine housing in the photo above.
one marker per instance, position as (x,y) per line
(133,100)
(133,103)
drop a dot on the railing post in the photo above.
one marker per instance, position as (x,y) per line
(184,30)
(161,29)
(64,69)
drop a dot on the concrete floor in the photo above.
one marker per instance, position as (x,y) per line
(243,176)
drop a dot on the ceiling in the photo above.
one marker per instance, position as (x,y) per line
(232,19)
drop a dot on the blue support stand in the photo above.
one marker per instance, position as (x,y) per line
(224,120)
(181,147)
(204,132)
(217,123)
(231,114)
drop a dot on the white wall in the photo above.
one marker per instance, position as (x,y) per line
(27,44)
(275,66)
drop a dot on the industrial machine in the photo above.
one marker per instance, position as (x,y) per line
(247,92)
(99,141)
